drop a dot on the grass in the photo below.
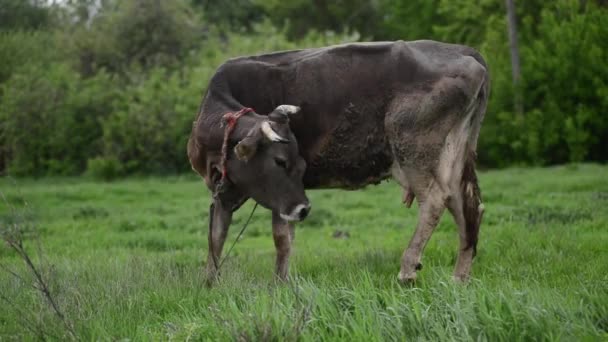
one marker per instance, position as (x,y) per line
(125,259)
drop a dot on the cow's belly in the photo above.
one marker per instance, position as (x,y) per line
(355,154)
(350,175)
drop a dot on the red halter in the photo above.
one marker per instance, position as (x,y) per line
(229,120)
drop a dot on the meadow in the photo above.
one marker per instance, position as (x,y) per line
(124,261)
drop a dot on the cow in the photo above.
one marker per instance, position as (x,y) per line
(345,116)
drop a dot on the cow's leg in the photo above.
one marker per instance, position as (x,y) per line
(283,233)
(465,252)
(220,217)
(431,205)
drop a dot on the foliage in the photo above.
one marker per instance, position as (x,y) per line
(409,20)
(300,16)
(51,119)
(146,132)
(109,80)
(21,49)
(128,35)
(567,82)
(235,15)
(23,15)
(127,258)
(105,168)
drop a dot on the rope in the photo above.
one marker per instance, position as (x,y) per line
(229,121)
(237,238)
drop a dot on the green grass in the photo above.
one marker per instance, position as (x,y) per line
(125,259)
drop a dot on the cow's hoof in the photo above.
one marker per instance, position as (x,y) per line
(407,278)
(281,279)
(460,278)
(211,279)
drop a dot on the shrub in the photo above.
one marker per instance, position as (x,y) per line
(147,131)
(104,168)
(50,119)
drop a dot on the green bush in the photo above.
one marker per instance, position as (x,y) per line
(104,168)
(565,82)
(24,15)
(147,131)
(22,48)
(51,119)
(130,35)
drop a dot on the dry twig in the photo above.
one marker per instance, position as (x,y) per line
(13,235)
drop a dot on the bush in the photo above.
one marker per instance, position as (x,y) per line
(147,131)
(104,168)
(132,34)
(51,119)
(566,85)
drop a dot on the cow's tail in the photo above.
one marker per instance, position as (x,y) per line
(472,206)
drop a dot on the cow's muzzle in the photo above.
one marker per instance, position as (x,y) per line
(298,213)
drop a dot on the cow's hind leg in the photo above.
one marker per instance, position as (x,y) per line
(432,201)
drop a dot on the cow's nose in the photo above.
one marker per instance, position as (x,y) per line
(304,212)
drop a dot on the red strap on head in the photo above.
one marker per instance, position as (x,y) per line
(229,121)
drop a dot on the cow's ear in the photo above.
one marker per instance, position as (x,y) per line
(247,147)
(244,150)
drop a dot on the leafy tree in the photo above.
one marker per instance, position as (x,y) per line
(302,16)
(235,15)
(24,15)
(566,84)
(408,20)
(50,119)
(20,49)
(131,34)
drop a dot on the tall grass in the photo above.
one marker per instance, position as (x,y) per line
(127,263)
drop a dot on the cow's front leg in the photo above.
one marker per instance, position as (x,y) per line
(283,233)
(220,216)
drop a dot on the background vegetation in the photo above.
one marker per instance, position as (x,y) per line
(111,87)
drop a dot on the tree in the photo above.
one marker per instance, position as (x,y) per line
(130,34)
(24,15)
(514,49)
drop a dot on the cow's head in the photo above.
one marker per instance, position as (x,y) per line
(268,167)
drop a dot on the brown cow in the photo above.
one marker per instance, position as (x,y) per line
(346,116)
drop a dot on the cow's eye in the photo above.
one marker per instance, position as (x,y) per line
(281,162)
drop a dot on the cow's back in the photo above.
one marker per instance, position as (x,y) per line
(344,92)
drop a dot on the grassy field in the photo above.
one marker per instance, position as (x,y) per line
(125,262)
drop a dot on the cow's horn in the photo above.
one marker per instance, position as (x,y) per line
(271,134)
(287,109)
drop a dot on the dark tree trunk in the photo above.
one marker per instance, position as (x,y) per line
(513,46)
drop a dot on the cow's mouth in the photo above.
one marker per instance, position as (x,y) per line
(298,213)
